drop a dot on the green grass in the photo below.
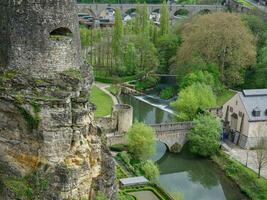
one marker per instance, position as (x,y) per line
(246,3)
(224,97)
(102,101)
(249,183)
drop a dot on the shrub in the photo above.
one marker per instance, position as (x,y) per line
(166,93)
(141,141)
(100,196)
(125,157)
(151,170)
(118,147)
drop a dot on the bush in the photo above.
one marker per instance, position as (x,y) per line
(146,83)
(125,157)
(120,173)
(151,170)
(167,93)
(204,138)
(141,141)
(100,196)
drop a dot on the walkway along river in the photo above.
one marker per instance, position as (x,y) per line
(194,177)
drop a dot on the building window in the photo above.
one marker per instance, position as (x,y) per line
(231,109)
(240,114)
(256,112)
(236,102)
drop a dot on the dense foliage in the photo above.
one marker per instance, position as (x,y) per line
(151,170)
(141,141)
(193,100)
(204,138)
(219,38)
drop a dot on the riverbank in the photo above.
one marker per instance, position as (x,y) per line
(254,187)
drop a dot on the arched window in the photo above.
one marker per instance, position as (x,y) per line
(60,33)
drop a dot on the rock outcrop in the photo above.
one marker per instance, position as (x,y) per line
(50,147)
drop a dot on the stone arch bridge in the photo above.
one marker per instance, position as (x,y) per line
(173,135)
(96,9)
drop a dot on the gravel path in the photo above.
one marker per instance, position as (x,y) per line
(103,87)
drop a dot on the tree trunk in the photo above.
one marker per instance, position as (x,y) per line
(259,171)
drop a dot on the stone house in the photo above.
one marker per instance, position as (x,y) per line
(245,117)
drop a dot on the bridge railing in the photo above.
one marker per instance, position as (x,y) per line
(170,127)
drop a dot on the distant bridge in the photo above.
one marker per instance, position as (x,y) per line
(95,10)
(173,135)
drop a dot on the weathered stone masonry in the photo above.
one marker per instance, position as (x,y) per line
(46,121)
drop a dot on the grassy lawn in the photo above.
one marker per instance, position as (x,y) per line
(224,97)
(255,188)
(102,101)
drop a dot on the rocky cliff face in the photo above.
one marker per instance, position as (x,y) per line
(47,128)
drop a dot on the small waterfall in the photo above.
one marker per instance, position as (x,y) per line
(156,102)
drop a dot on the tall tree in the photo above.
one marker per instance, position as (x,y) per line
(220,38)
(164,19)
(130,58)
(117,36)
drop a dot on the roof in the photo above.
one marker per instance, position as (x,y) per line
(133,181)
(255,100)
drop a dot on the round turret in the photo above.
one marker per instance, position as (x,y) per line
(39,37)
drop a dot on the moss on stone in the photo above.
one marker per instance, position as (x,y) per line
(74,73)
(19,99)
(7,75)
(28,187)
(32,120)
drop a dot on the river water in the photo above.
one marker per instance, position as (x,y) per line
(194,177)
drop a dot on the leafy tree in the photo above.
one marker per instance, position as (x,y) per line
(164,19)
(167,46)
(151,170)
(219,38)
(192,100)
(141,141)
(204,138)
(85,37)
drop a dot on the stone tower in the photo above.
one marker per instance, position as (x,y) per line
(47,131)
(41,37)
